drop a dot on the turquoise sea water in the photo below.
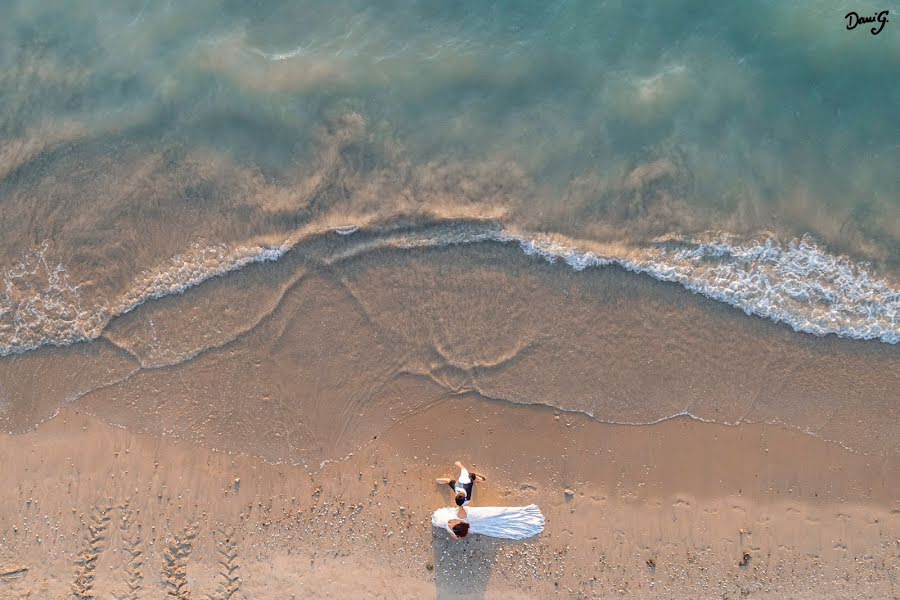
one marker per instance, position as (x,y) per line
(748,151)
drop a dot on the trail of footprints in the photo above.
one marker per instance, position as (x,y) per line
(86,562)
(229,580)
(131,535)
(175,556)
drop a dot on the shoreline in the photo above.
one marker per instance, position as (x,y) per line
(480,318)
(673,261)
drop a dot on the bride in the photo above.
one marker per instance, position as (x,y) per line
(511,522)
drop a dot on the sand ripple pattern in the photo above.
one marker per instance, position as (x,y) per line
(795,282)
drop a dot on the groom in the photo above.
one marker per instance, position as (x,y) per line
(462,485)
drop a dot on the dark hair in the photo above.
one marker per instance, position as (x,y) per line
(460,498)
(461,529)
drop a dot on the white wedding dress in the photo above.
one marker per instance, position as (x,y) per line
(510,523)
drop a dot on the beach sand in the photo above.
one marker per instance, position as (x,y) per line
(286,447)
(667,510)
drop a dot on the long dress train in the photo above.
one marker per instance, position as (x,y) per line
(510,523)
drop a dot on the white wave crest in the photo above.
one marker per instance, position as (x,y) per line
(199,263)
(39,305)
(796,282)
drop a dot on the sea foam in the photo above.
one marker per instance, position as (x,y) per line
(795,282)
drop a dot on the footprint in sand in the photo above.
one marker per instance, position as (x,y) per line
(86,561)
(13,581)
(175,557)
(112,559)
(229,580)
(109,527)
(177,554)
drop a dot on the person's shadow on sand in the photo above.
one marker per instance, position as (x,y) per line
(463,569)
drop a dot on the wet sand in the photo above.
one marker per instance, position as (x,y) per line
(257,437)
(296,361)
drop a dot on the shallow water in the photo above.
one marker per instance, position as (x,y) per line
(743,152)
(307,358)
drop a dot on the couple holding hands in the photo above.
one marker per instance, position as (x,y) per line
(512,523)
(462,487)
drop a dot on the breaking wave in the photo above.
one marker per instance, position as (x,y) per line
(795,282)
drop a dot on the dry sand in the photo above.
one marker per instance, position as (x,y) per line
(669,510)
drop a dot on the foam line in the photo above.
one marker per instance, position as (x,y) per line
(795,282)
